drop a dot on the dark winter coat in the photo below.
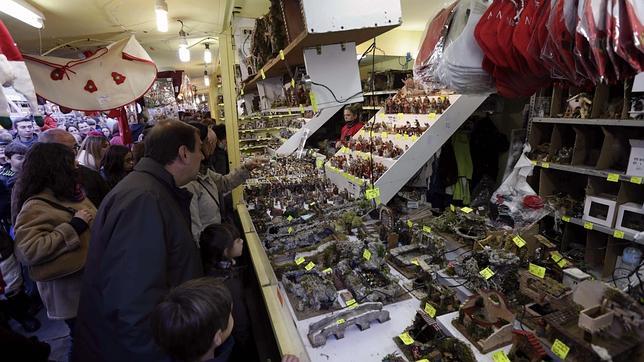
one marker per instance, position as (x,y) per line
(93,184)
(7,180)
(141,247)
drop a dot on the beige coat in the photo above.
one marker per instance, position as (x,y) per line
(204,210)
(52,250)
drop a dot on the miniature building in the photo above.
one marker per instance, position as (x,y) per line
(542,291)
(526,347)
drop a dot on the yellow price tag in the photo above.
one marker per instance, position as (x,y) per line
(314,102)
(261,72)
(327,271)
(636,180)
(423,360)
(290,230)
(432,116)
(319,163)
(372,193)
(466,210)
(519,241)
(359,181)
(281,54)
(410,223)
(556,257)
(415,261)
(499,356)
(613,177)
(430,310)
(406,339)
(588,225)
(399,116)
(309,266)
(414,137)
(384,135)
(340,321)
(242,91)
(565,218)
(366,254)
(560,349)
(301,108)
(292,83)
(406,137)
(545,165)
(537,270)
(562,263)
(618,234)
(344,150)
(533,162)
(352,304)
(452,208)
(299,261)
(427,229)
(289,218)
(487,273)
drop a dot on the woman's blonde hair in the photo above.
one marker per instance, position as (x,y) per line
(93,146)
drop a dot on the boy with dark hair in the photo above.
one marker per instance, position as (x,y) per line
(25,131)
(15,155)
(194,321)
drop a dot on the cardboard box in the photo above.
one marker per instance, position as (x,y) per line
(630,217)
(636,159)
(574,276)
(600,209)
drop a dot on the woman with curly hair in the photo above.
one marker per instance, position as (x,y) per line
(117,163)
(52,220)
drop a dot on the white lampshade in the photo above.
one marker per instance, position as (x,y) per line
(206,79)
(184,52)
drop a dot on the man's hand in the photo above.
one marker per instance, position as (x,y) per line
(85,215)
(255,162)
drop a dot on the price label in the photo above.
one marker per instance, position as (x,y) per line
(487,273)
(344,150)
(340,321)
(414,138)
(533,162)
(565,218)
(292,83)
(360,181)
(427,229)
(406,137)
(352,304)
(327,271)
(562,263)
(618,234)
(466,210)
(499,356)
(519,241)
(289,218)
(431,116)
(290,230)
(636,180)
(560,349)
(545,165)
(319,163)
(430,310)
(415,261)
(410,223)
(613,177)
(423,360)
(399,116)
(588,225)
(301,108)
(366,254)
(241,92)
(314,102)
(309,266)
(372,193)
(299,261)
(537,270)
(385,135)
(261,72)
(452,208)
(556,257)
(406,339)
(281,54)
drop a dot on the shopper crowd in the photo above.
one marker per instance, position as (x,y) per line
(134,247)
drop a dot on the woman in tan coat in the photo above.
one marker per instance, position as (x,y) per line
(52,227)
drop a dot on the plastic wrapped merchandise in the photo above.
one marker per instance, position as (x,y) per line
(431,49)
(629,17)
(558,50)
(460,68)
(585,32)
(515,203)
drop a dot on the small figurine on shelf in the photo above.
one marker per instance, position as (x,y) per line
(579,106)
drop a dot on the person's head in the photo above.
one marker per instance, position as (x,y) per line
(193,319)
(95,146)
(220,132)
(117,163)
(106,132)
(351,113)
(83,127)
(92,124)
(208,138)
(138,150)
(15,154)
(220,242)
(73,129)
(60,136)
(24,127)
(47,165)
(176,146)
(5,139)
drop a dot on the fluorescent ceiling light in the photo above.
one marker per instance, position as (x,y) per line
(206,78)
(207,55)
(184,52)
(23,12)
(161,10)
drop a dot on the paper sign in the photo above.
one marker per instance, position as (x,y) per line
(290,230)
(301,108)
(560,349)
(427,229)
(352,304)
(562,263)
(261,71)
(344,150)
(588,225)
(299,261)
(372,193)
(319,163)
(499,356)
(327,271)
(281,54)
(533,162)
(519,241)
(556,257)
(545,165)
(406,137)
(432,116)
(466,210)
(414,138)
(415,261)
(410,223)
(292,83)
(384,135)
(636,180)
(452,207)
(340,321)
(406,338)
(309,266)
(565,218)
(613,177)
(314,102)
(241,91)
(487,273)
(537,270)
(618,234)
(289,218)
(399,116)
(430,310)
(366,254)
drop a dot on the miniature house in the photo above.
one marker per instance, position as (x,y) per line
(526,346)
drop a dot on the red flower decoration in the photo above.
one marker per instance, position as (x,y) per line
(118,77)
(90,86)
(57,74)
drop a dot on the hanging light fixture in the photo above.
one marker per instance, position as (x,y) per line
(184,52)
(207,55)
(23,12)
(203,98)
(206,78)
(161,10)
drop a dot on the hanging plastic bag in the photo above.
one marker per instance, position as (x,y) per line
(623,39)
(635,11)
(621,69)
(585,64)
(528,31)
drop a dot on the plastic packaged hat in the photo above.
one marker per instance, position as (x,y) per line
(526,31)
(627,24)
(621,69)
(583,58)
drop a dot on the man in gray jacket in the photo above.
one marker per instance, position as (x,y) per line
(141,247)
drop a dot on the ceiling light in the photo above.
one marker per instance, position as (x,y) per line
(207,55)
(203,98)
(206,78)
(161,10)
(23,12)
(184,52)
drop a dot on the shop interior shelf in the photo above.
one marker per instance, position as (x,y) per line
(602,229)
(591,122)
(613,176)
(379,93)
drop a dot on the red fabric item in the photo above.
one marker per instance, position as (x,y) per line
(625,42)
(486,31)
(124,128)
(621,69)
(349,131)
(50,123)
(436,32)
(7,45)
(637,24)
(505,30)
(527,31)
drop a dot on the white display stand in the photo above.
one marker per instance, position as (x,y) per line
(445,321)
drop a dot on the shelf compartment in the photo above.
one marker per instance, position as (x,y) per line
(591,121)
